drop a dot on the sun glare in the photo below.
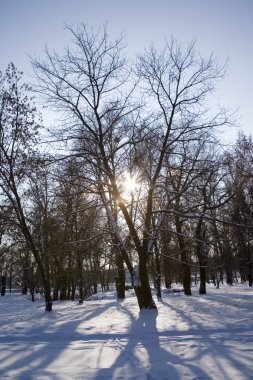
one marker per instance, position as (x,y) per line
(129,183)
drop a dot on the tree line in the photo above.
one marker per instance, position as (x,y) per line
(131,179)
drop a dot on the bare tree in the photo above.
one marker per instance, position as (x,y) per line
(95,89)
(18,141)
(178,82)
(239,167)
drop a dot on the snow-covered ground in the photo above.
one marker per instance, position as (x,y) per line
(198,337)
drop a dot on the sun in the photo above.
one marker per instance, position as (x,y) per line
(129,183)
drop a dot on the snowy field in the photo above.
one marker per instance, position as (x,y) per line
(198,337)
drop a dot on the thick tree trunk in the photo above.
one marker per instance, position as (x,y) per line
(146,298)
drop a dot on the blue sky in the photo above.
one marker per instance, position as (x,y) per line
(224,27)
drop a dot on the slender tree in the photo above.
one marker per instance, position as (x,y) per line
(18,141)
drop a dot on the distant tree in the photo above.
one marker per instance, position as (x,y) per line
(240,210)
(213,195)
(80,256)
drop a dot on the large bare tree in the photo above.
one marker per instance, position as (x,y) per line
(93,86)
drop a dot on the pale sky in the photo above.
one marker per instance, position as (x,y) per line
(224,27)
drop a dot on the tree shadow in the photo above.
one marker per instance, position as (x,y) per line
(145,354)
(135,349)
(224,347)
(29,355)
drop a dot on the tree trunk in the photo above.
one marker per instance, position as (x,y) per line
(63,288)
(10,279)
(41,266)
(121,278)
(56,292)
(146,299)
(167,273)
(157,272)
(69,290)
(81,282)
(202,256)
(3,286)
(73,290)
(228,263)
(184,259)
(186,277)
(48,298)
(250,272)
(46,283)
(202,277)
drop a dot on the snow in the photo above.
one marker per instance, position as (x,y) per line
(197,337)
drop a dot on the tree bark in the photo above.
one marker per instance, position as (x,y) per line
(157,272)
(121,278)
(184,260)
(202,256)
(146,298)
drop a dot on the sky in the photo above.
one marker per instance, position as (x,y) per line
(223,27)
